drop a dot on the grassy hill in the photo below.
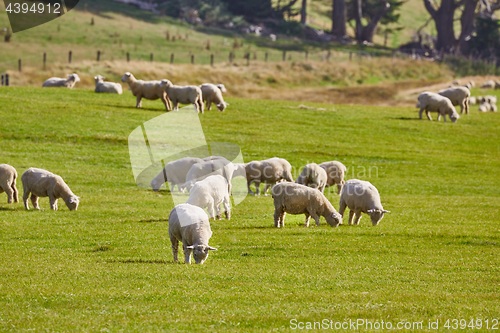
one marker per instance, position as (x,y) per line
(108,266)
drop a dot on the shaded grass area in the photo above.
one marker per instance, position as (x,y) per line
(108,266)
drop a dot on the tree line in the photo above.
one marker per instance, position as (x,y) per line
(478,34)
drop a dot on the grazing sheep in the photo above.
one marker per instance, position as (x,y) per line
(212,93)
(487,107)
(490,84)
(269,172)
(432,102)
(457,96)
(146,89)
(184,95)
(299,199)
(335,171)
(42,183)
(210,193)
(361,197)
(189,224)
(107,87)
(175,173)
(473,100)
(8,176)
(69,82)
(200,171)
(314,176)
(488,99)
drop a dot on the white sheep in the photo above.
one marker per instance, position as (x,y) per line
(487,107)
(361,197)
(175,173)
(8,176)
(457,96)
(210,193)
(151,90)
(212,93)
(69,82)
(432,102)
(219,166)
(269,172)
(314,176)
(183,95)
(335,172)
(189,224)
(107,87)
(490,84)
(42,183)
(300,199)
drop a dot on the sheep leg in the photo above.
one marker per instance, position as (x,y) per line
(208,103)
(279,217)
(266,188)
(357,218)
(428,114)
(53,202)
(166,102)
(15,192)
(316,218)
(138,103)
(199,105)
(420,113)
(466,106)
(10,194)
(351,215)
(25,198)
(308,217)
(34,201)
(187,254)
(175,248)
(227,207)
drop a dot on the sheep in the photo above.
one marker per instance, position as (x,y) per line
(457,96)
(42,183)
(146,89)
(200,171)
(213,93)
(210,193)
(335,171)
(175,173)
(488,99)
(295,198)
(486,107)
(268,171)
(8,176)
(189,224)
(361,197)
(107,87)
(69,82)
(314,176)
(430,101)
(184,95)
(490,84)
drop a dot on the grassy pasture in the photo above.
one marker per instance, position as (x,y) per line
(108,266)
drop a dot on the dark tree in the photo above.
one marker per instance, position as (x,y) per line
(303,12)
(443,20)
(339,21)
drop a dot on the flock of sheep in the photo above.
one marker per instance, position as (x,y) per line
(209,179)
(444,101)
(164,90)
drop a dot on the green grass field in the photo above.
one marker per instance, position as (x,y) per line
(108,266)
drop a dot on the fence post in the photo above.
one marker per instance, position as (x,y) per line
(172,58)
(70,56)
(98,55)
(151,57)
(3,76)
(307,55)
(266,56)
(212,60)
(128,57)
(284,55)
(231,57)
(192,59)
(247,57)
(19,65)
(44,60)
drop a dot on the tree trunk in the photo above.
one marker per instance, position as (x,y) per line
(303,12)
(467,24)
(339,14)
(443,20)
(358,19)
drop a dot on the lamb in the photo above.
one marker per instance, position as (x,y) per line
(457,96)
(184,95)
(107,87)
(314,176)
(361,197)
(69,82)
(8,176)
(269,172)
(486,107)
(210,193)
(146,89)
(430,101)
(200,171)
(175,173)
(335,171)
(213,93)
(299,199)
(189,224)
(42,183)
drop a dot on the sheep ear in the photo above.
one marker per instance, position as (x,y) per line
(212,248)
(386,211)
